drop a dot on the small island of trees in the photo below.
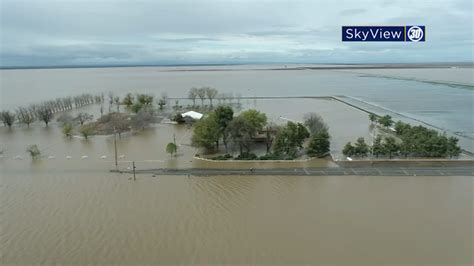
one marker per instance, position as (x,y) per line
(249,129)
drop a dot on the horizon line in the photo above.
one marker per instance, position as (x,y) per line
(233,64)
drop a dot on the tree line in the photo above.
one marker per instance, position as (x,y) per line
(45,111)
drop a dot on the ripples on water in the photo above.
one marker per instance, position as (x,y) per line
(79,219)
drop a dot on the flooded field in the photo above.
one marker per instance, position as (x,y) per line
(66,208)
(443,105)
(147,148)
(88,217)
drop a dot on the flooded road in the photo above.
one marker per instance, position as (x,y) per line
(95,218)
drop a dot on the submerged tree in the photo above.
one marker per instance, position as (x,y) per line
(117,103)
(211,93)
(67,130)
(111,101)
(136,107)
(34,151)
(143,119)
(86,131)
(8,118)
(145,99)
(64,119)
(44,113)
(162,102)
(128,100)
(201,93)
(171,148)
(25,116)
(193,95)
(83,117)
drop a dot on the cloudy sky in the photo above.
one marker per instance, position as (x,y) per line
(102,32)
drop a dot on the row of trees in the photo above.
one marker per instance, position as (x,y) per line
(385,121)
(250,126)
(143,101)
(45,111)
(202,93)
(416,141)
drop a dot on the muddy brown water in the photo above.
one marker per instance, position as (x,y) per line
(73,212)
(89,217)
(147,148)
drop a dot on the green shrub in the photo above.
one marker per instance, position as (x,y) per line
(222,157)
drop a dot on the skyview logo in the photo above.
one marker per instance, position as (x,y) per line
(383,33)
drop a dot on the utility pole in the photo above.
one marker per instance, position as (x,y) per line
(175,146)
(373,135)
(115,147)
(133,166)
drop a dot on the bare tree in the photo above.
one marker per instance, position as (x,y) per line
(65,118)
(111,101)
(34,151)
(25,116)
(201,92)
(118,125)
(193,95)
(117,103)
(8,118)
(211,93)
(83,117)
(44,113)
(142,119)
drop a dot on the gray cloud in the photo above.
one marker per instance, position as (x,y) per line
(53,32)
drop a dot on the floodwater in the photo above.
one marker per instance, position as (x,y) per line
(71,210)
(446,106)
(53,217)
(147,148)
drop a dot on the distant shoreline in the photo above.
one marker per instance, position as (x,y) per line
(272,66)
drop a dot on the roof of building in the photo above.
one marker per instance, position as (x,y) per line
(192,114)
